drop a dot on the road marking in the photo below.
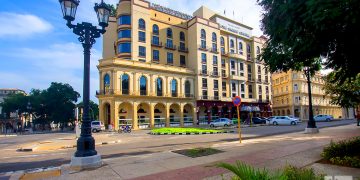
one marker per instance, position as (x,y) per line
(31,156)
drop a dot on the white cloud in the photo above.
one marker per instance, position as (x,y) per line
(13,24)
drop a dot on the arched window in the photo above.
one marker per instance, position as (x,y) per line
(187,89)
(143,86)
(141,24)
(232,45)
(257,50)
(159,87)
(214,37)
(155,29)
(182,36)
(169,33)
(125,84)
(106,81)
(222,41)
(173,88)
(203,34)
(240,46)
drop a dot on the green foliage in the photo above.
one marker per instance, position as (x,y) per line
(343,152)
(15,103)
(183,130)
(94,109)
(345,94)
(113,10)
(245,172)
(301,31)
(198,152)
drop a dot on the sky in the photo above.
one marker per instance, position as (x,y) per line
(37,48)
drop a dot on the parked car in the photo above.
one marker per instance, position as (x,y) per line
(97,126)
(221,122)
(258,120)
(323,117)
(283,120)
(297,118)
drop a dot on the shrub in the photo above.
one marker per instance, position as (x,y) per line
(346,161)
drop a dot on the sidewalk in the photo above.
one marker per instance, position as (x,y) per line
(68,142)
(272,152)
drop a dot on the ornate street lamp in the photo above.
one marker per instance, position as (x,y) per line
(86,155)
(311,126)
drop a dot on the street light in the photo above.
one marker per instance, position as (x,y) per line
(86,155)
(311,126)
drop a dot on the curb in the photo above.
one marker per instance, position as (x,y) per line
(202,133)
(39,173)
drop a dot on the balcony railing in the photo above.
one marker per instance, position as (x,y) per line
(209,97)
(170,46)
(174,94)
(203,72)
(214,50)
(203,48)
(143,93)
(215,74)
(156,43)
(183,49)
(189,95)
(105,92)
(125,92)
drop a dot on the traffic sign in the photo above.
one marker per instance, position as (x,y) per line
(237,101)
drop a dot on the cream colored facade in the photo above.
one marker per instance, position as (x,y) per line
(290,96)
(151,78)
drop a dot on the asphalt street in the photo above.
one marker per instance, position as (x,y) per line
(136,143)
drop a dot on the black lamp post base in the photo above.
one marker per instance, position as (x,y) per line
(85,146)
(311,130)
(88,162)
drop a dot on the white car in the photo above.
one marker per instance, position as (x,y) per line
(297,118)
(97,126)
(283,120)
(323,117)
(221,122)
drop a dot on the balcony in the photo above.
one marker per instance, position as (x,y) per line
(105,92)
(183,49)
(223,53)
(203,48)
(188,95)
(203,72)
(143,93)
(223,75)
(215,74)
(174,94)
(156,43)
(237,77)
(213,50)
(170,46)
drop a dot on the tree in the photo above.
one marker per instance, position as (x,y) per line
(15,103)
(301,31)
(113,10)
(94,110)
(346,94)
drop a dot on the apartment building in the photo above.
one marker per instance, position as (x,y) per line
(290,96)
(161,67)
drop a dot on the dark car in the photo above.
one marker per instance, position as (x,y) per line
(257,120)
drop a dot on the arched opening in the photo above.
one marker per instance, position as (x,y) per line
(188,115)
(155,29)
(106,84)
(175,115)
(214,37)
(169,32)
(125,84)
(203,34)
(107,115)
(143,112)
(222,41)
(143,84)
(142,24)
(187,89)
(182,36)
(125,114)
(174,88)
(159,115)
(232,45)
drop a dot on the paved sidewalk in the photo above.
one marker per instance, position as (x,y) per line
(272,152)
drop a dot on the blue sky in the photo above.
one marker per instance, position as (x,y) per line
(37,48)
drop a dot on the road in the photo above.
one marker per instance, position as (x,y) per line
(136,143)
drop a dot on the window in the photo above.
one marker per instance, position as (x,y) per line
(242,90)
(232,45)
(241,69)
(232,64)
(126,33)
(215,61)
(222,50)
(174,88)
(141,24)
(124,20)
(169,33)
(223,73)
(187,89)
(169,43)
(223,63)
(222,41)
(125,84)
(259,69)
(250,89)
(233,86)
(248,48)
(203,34)
(257,50)
(182,46)
(143,86)
(182,36)
(142,51)
(216,95)
(267,89)
(214,47)
(249,68)
(223,84)
(155,29)
(204,83)
(159,87)
(170,58)
(182,60)
(155,40)
(156,55)
(205,94)
(204,69)
(106,81)
(296,87)
(214,37)
(142,36)
(203,44)
(203,58)
(240,46)
(124,47)
(216,84)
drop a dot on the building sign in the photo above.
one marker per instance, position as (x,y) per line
(234,28)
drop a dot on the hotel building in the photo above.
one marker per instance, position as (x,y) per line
(161,67)
(290,96)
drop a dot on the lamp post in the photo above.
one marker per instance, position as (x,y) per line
(86,155)
(311,126)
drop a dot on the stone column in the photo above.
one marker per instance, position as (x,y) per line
(167,115)
(112,113)
(152,121)
(195,116)
(134,89)
(166,86)
(134,116)
(114,82)
(116,119)
(151,92)
(181,87)
(181,115)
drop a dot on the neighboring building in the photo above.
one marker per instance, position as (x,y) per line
(290,96)
(5,92)
(161,67)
